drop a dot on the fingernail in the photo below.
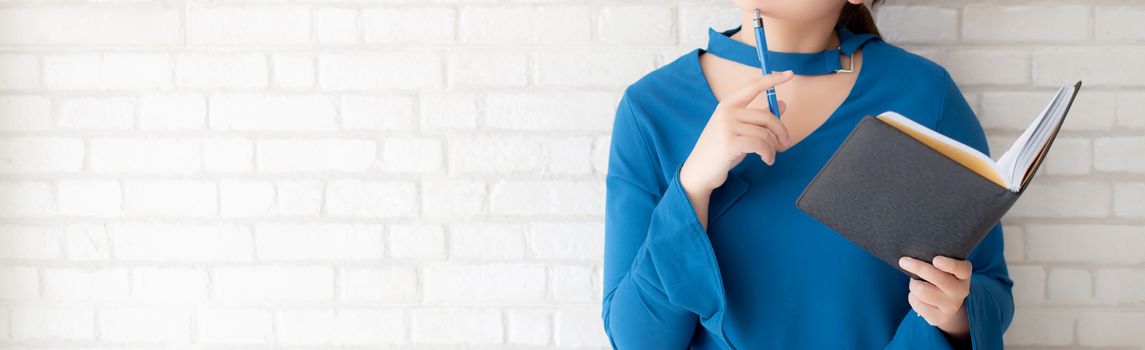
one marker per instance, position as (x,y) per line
(904,261)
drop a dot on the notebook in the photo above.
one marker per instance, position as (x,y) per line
(897,188)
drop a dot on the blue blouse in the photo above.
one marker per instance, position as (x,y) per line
(765,275)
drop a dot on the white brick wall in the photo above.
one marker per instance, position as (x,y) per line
(396,174)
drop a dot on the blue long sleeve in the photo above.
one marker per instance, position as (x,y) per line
(990,304)
(660,272)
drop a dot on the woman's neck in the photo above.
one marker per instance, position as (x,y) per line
(787,36)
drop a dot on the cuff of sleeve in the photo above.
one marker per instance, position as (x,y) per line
(915,333)
(987,321)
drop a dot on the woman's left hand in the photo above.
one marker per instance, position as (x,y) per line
(939,298)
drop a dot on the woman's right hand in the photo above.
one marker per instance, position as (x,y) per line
(733,131)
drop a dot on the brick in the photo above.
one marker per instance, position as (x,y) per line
(529,327)
(1040,327)
(550,111)
(23,282)
(449,111)
(169,284)
(145,324)
(238,198)
(1017,23)
(1044,199)
(228,155)
(75,284)
(379,71)
(196,198)
(989,67)
(234,326)
(337,242)
(1106,244)
(334,25)
(391,283)
(695,19)
(24,112)
(454,325)
(147,156)
(561,198)
(110,71)
(1119,154)
(87,243)
(41,154)
(1017,110)
(511,154)
(250,25)
(299,198)
(273,112)
(1015,243)
(917,24)
(315,155)
(171,111)
(548,25)
(573,283)
(1119,23)
(488,69)
(483,282)
(273,284)
(26,199)
(1119,286)
(1111,328)
(579,328)
(566,241)
(1070,286)
(294,71)
(1128,199)
(453,199)
(181,242)
(30,242)
(589,68)
(81,24)
(89,197)
(19,71)
(341,327)
(1056,66)
(38,322)
(487,241)
(417,241)
(644,25)
(96,113)
(379,199)
(1070,156)
(1029,284)
(1131,109)
(411,155)
(409,25)
(221,71)
(387,112)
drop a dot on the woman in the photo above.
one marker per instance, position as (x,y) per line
(705,248)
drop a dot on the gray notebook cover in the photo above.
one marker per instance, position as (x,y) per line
(894,196)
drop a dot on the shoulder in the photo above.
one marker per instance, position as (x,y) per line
(911,67)
(669,79)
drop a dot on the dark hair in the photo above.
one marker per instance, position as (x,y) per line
(858,19)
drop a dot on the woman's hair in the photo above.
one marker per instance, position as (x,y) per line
(858,19)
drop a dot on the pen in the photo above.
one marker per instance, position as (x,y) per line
(761,50)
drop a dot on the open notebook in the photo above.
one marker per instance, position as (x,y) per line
(1015,167)
(896,188)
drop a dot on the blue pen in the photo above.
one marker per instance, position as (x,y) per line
(760,50)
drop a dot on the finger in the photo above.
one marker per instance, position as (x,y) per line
(758,146)
(748,92)
(929,294)
(765,119)
(782,107)
(756,131)
(925,310)
(928,272)
(961,269)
